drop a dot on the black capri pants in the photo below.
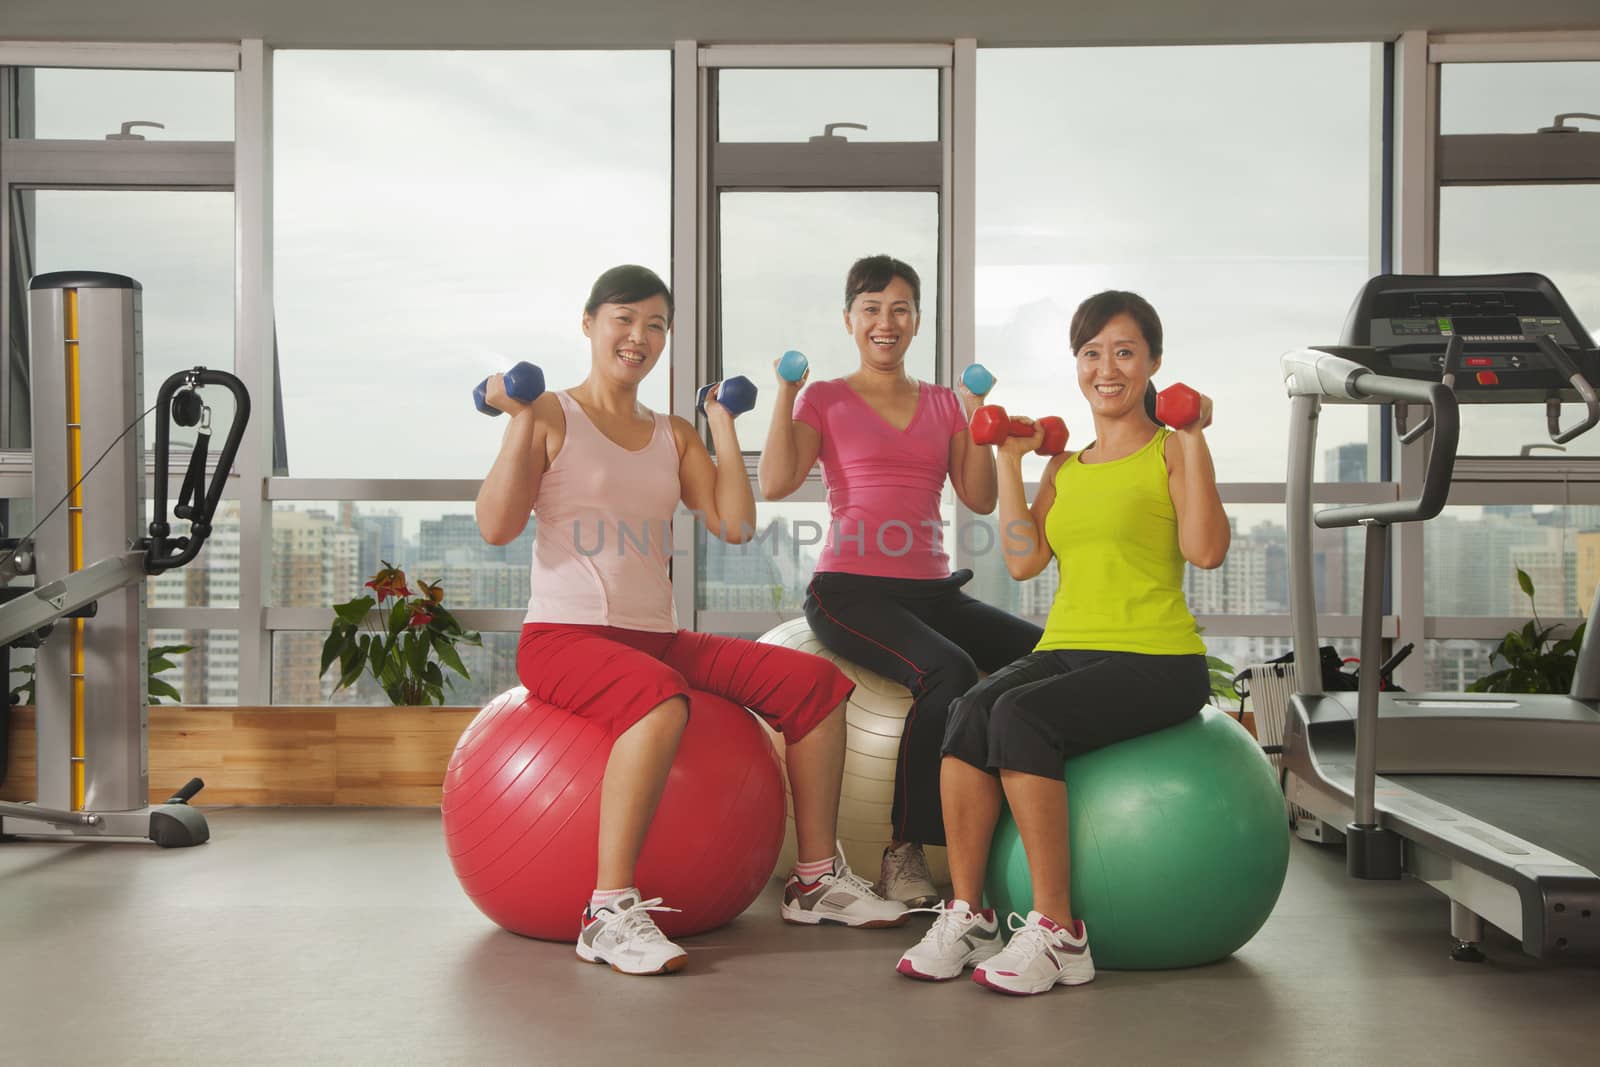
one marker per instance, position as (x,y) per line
(1036,713)
(933,639)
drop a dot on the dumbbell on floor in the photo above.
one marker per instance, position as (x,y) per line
(737,394)
(524,382)
(991,426)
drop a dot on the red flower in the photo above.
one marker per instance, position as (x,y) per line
(388,582)
(419,617)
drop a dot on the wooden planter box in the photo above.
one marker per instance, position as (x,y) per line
(348,756)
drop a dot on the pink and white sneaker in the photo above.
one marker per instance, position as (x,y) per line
(1041,955)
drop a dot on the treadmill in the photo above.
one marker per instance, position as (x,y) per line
(1493,799)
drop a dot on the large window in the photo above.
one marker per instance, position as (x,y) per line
(1228,185)
(440,216)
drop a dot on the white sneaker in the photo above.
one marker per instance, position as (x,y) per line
(1041,955)
(905,877)
(626,937)
(959,938)
(840,897)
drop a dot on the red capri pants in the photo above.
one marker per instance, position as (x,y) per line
(614,676)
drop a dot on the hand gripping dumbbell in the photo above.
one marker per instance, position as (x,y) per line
(1177,406)
(524,382)
(991,425)
(737,394)
(793,366)
(977,379)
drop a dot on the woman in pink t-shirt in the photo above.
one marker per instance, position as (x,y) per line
(883,595)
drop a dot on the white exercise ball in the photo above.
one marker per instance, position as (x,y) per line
(874,719)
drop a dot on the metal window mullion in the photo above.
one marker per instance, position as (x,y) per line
(762,165)
(1488,627)
(690,278)
(119,164)
(408,489)
(316,619)
(833,56)
(119,55)
(1416,230)
(1562,46)
(253,328)
(1518,158)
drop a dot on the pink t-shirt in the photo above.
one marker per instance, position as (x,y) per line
(883,484)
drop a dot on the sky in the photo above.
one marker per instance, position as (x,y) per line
(439,216)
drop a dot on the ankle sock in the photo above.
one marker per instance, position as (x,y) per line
(606,898)
(810,872)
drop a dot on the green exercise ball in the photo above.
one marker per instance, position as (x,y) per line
(1180,844)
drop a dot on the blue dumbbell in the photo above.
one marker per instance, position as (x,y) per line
(977,379)
(524,382)
(792,367)
(737,394)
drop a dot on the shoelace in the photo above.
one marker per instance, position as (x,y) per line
(1026,940)
(851,880)
(635,923)
(947,928)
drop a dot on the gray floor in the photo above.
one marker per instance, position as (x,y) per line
(340,936)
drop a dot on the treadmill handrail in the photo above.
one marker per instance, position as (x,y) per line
(1309,372)
(1591,403)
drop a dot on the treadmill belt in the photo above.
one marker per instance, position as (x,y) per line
(1559,814)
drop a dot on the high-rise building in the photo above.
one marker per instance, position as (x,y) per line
(1345,463)
(315,563)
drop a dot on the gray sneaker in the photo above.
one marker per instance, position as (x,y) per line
(840,898)
(905,877)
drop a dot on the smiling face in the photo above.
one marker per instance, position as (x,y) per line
(883,324)
(1114,367)
(625,340)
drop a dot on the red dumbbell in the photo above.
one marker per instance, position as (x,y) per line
(1177,406)
(991,425)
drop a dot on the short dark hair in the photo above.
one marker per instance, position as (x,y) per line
(872,274)
(627,284)
(1093,314)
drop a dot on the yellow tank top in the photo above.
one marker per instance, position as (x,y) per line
(1114,533)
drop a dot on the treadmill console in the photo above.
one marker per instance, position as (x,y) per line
(1402,325)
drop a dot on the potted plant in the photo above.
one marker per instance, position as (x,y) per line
(1530,667)
(401,638)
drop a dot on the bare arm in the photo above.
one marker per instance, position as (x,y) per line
(718,491)
(1203,531)
(507,495)
(972,466)
(1022,537)
(792,447)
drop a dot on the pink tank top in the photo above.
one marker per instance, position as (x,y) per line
(605,530)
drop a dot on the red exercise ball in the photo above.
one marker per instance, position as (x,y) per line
(522,813)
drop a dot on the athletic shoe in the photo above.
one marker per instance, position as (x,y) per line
(1041,955)
(959,938)
(627,938)
(841,897)
(905,877)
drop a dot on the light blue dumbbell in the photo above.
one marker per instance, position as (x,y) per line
(792,367)
(977,379)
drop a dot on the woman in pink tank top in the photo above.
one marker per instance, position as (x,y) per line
(883,595)
(604,474)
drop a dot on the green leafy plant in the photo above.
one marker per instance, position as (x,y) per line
(1222,674)
(1530,667)
(403,653)
(155,661)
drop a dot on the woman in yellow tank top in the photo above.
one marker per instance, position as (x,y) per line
(1120,656)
